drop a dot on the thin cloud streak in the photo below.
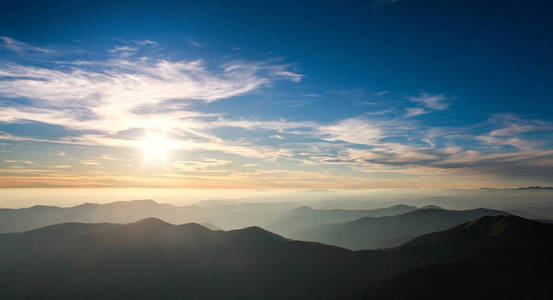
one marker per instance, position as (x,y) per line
(21,47)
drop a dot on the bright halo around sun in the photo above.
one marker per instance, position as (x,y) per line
(156,148)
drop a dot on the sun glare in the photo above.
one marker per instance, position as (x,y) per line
(155,148)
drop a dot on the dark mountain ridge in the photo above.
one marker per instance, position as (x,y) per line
(492,257)
(151,259)
(154,259)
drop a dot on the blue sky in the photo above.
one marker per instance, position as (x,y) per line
(372,94)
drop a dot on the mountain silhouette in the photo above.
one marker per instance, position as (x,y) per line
(154,259)
(389,231)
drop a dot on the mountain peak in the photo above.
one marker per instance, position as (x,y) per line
(303,208)
(151,222)
(41,207)
(496,221)
(256,233)
(402,206)
(298,211)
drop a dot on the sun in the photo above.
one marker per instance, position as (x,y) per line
(155,148)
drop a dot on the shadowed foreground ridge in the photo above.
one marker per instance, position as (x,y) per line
(492,257)
(154,259)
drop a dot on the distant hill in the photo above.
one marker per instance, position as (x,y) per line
(226,216)
(390,231)
(304,217)
(17,220)
(151,259)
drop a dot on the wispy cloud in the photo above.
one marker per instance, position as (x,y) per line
(61,166)
(21,47)
(123,49)
(355,131)
(194,43)
(436,102)
(511,130)
(199,165)
(511,125)
(311,95)
(108,98)
(90,162)
(276,136)
(12,161)
(123,94)
(111,95)
(145,42)
(295,77)
(414,111)
(131,46)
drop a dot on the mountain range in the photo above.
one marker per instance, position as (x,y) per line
(388,231)
(226,216)
(352,229)
(153,259)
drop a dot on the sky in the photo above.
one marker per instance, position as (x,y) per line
(276,95)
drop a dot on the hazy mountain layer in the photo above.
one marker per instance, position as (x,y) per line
(226,216)
(390,231)
(301,218)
